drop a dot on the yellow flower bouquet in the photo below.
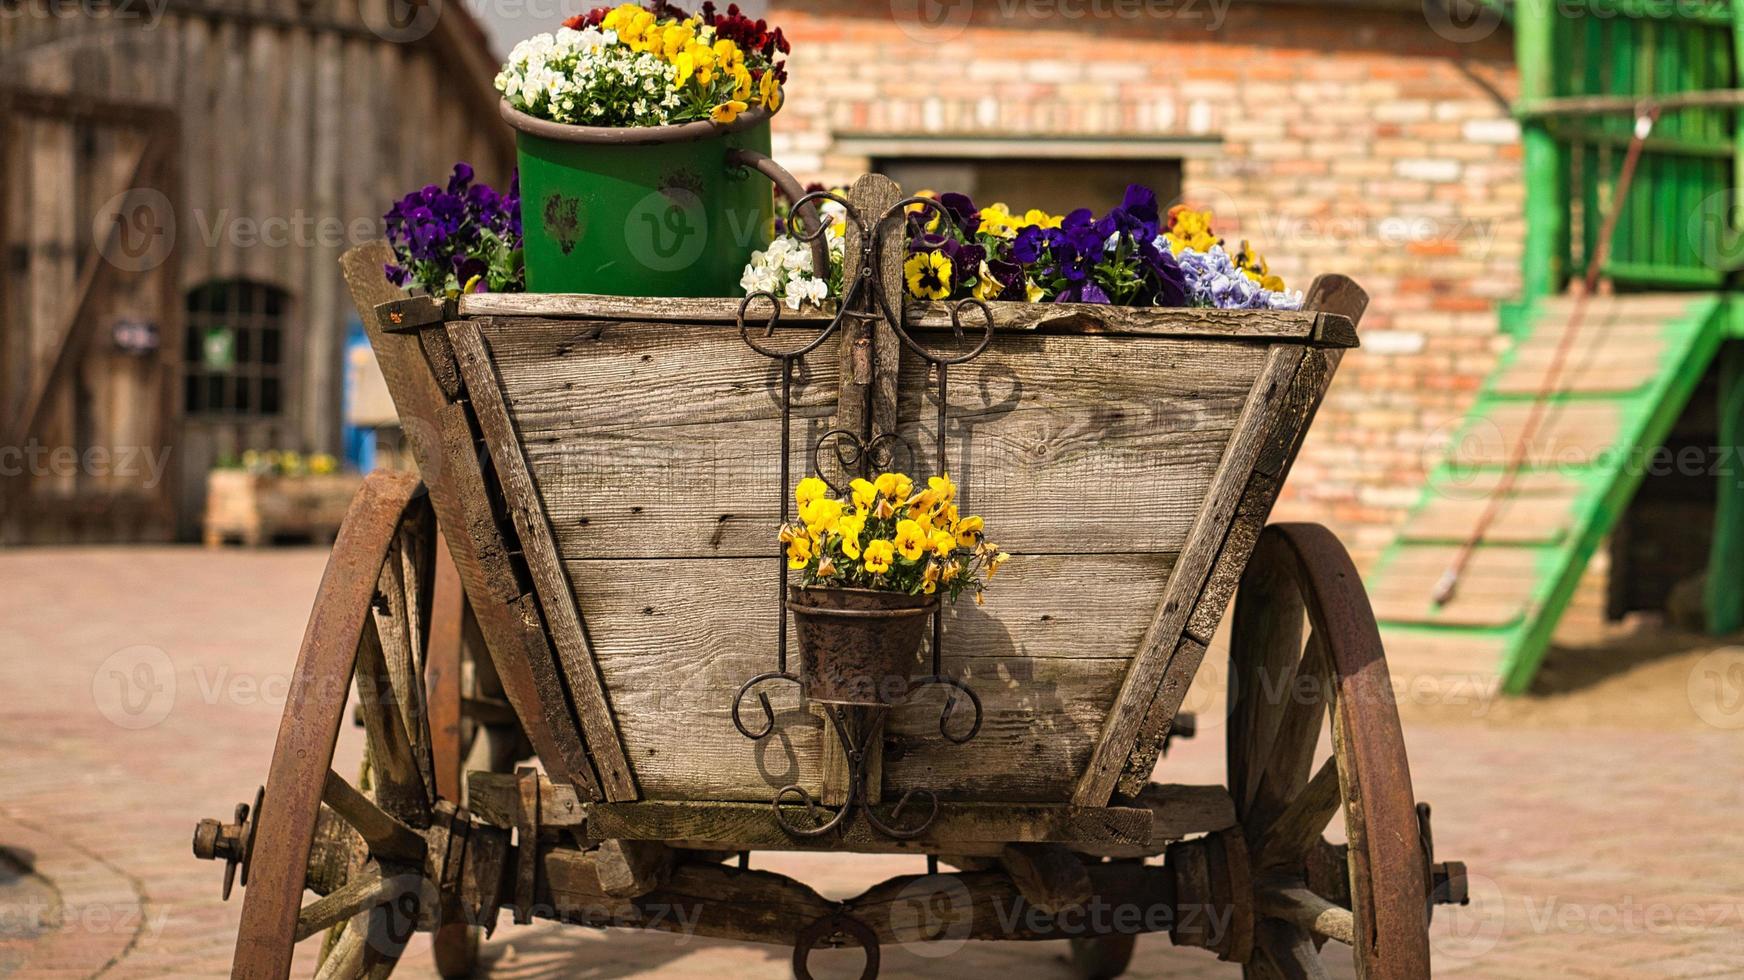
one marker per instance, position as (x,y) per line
(889,534)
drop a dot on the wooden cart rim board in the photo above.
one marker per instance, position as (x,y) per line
(448,392)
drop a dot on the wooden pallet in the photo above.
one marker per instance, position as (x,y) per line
(254,509)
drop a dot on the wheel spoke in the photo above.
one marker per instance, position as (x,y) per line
(1299,826)
(345,960)
(1265,640)
(400,646)
(1292,745)
(1307,911)
(1288,953)
(386,836)
(443,656)
(399,783)
(364,891)
(370,946)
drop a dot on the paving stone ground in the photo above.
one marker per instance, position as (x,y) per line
(1604,823)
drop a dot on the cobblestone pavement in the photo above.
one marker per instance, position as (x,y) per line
(143,691)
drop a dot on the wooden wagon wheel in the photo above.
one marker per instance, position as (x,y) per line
(1372,893)
(366,851)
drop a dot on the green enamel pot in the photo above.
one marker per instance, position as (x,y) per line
(645,211)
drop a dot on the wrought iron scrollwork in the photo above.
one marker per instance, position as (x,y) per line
(855,726)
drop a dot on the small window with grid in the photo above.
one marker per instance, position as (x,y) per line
(234,349)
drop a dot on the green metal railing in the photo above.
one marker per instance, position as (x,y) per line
(1586,70)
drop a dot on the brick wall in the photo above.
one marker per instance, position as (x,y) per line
(1343,139)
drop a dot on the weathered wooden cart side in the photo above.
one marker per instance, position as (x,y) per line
(603,473)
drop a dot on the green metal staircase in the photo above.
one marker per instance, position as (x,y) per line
(1587,69)
(1636,361)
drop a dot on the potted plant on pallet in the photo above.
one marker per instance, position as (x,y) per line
(636,131)
(871,567)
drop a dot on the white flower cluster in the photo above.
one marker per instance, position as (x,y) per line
(784,271)
(586,78)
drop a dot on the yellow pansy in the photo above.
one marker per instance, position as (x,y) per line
(809,489)
(728,54)
(943,490)
(1189,229)
(879,554)
(896,486)
(997,220)
(928,275)
(969,530)
(911,539)
(929,580)
(820,516)
(826,568)
(921,504)
(799,552)
(727,111)
(849,527)
(1041,219)
(999,558)
(1254,267)
(741,83)
(986,287)
(686,66)
(863,492)
(769,90)
(950,572)
(1032,292)
(943,543)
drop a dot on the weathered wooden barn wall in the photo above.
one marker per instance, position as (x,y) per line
(296,125)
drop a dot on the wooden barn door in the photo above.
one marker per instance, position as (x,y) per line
(89,319)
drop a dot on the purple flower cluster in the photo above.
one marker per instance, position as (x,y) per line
(464,236)
(1214,280)
(1079,258)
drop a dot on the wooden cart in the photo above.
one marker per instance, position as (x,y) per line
(586,574)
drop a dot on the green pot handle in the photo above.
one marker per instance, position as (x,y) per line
(791,189)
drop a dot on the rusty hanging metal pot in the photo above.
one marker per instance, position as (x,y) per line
(857,646)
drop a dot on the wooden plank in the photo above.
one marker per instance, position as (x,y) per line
(1163,667)
(1179,812)
(1139,424)
(1461,610)
(873,195)
(1567,434)
(675,639)
(1263,325)
(1522,520)
(752,826)
(556,597)
(441,438)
